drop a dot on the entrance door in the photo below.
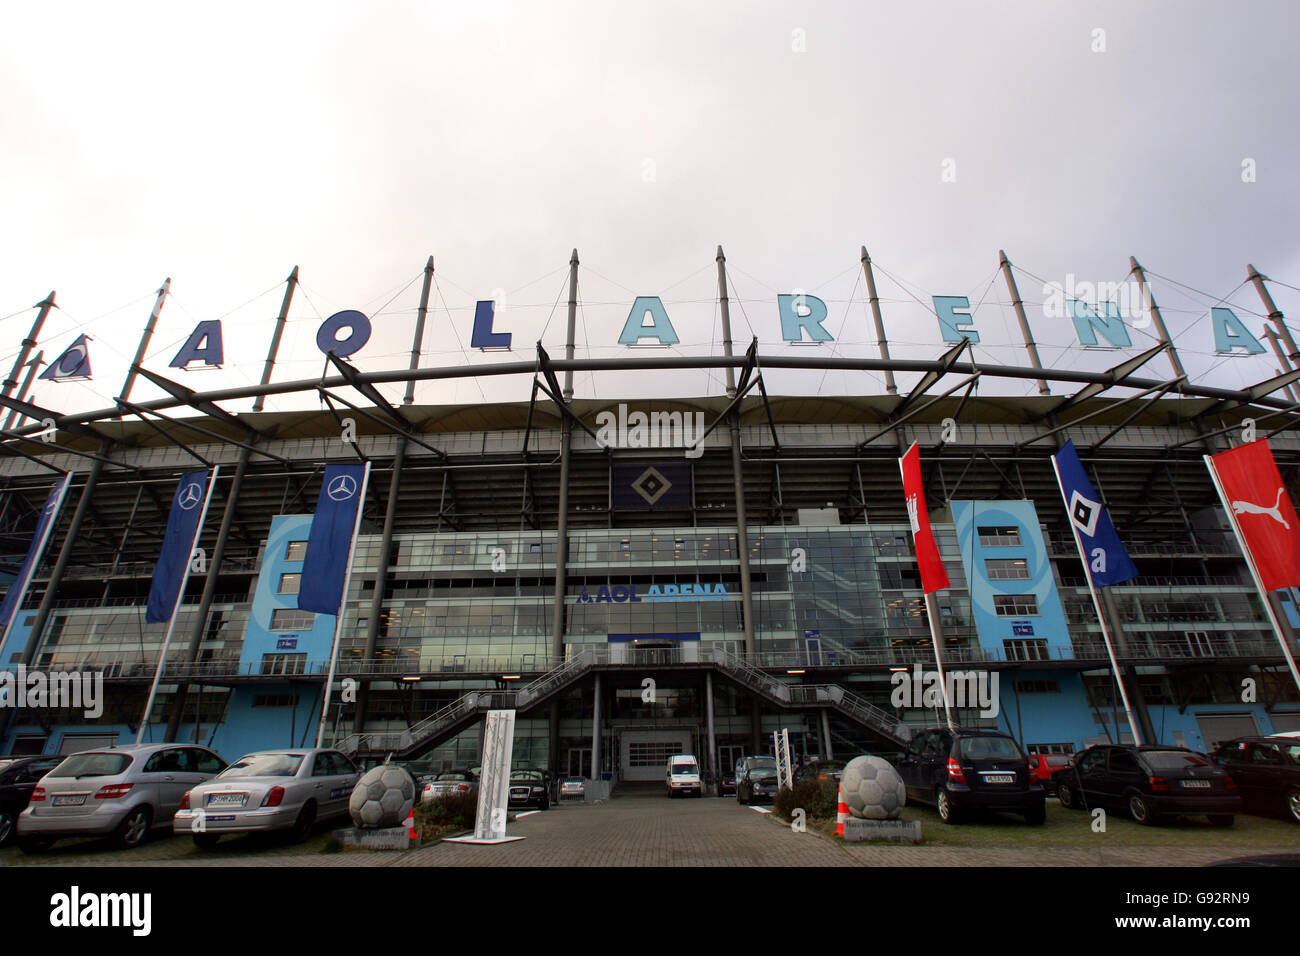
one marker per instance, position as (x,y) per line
(645,753)
(580,762)
(1220,727)
(729,755)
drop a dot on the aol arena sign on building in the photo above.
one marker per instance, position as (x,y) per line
(800,314)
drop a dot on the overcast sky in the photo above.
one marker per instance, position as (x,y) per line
(223,145)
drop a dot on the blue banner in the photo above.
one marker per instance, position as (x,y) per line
(44,527)
(1104,556)
(329,544)
(178,545)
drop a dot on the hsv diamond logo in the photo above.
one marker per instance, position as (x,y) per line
(1085,513)
(651,485)
(342,488)
(189,496)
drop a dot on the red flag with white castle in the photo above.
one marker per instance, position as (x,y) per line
(934,576)
(1261,509)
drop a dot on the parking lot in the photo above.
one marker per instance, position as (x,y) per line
(647,829)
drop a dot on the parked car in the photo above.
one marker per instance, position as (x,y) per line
(823,770)
(449,782)
(726,781)
(121,792)
(1267,772)
(18,778)
(269,790)
(530,788)
(1151,782)
(682,776)
(755,780)
(962,770)
(1044,767)
(572,788)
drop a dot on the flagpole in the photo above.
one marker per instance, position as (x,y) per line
(180,596)
(930,609)
(343,601)
(39,551)
(1096,604)
(935,638)
(1254,571)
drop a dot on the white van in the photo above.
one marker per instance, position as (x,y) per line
(684,775)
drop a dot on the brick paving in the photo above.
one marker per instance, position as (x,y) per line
(649,830)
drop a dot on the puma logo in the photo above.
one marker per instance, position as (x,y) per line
(1250,508)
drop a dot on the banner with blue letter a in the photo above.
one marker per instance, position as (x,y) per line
(330,542)
(183,526)
(1104,556)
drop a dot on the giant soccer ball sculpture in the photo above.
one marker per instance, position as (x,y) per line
(383,798)
(872,789)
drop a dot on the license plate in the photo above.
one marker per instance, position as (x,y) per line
(213,818)
(999,778)
(1196,784)
(70,800)
(226,799)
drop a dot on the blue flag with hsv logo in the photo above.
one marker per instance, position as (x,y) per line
(178,545)
(329,545)
(1104,556)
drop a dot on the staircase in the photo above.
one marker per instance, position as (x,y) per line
(461,713)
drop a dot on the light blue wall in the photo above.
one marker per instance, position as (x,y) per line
(1049,624)
(259,639)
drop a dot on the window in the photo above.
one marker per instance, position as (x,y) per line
(1026,649)
(1039,687)
(1121,761)
(1015,605)
(274,700)
(999,536)
(292,619)
(1007,569)
(172,760)
(289,583)
(284,663)
(1050,750)
(296,551)
(651,753)
(204,761)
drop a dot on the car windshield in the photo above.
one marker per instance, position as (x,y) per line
(454,775)
(526,775)
(1173,759)
(763,763)
(1058,760)
(92,765)
(680,768)
(980,748)
(264,765)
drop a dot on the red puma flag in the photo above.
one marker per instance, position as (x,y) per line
(1270,531)
(934,576)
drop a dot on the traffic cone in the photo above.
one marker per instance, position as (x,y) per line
(841,811)
(410,824)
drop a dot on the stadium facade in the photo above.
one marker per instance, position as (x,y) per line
(637,596)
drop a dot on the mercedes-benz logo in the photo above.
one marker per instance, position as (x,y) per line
(342,488)
(189,496)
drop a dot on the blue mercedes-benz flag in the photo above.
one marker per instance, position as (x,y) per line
(329,545)
(178,545)
(44,528)
(1103,555)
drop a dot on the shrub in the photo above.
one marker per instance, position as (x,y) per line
(456,811)
(817,798)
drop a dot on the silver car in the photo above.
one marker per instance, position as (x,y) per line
(269,790)
(121,792)
(449,783)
